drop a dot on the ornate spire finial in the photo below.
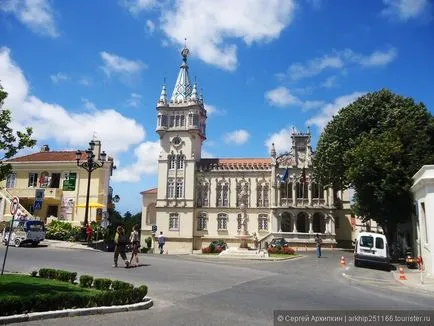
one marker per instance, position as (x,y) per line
(194,93)
(94,135)
(273,150)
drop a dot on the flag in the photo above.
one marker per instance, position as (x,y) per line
(285,176)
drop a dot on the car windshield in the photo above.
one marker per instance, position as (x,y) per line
(367,241)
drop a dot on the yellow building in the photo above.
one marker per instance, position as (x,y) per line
(55,177)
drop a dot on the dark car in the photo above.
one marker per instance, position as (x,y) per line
(279,242)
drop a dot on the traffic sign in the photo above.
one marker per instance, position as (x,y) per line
(154,228)
(37,205)
(14,205)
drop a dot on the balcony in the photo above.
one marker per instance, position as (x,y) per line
(49,193)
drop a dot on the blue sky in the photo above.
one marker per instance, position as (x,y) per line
(75,68)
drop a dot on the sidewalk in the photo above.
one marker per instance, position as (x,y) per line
(415,280)
(66,244)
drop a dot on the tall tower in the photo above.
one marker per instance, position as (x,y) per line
(181,125)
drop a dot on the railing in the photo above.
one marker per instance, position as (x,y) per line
(53,193)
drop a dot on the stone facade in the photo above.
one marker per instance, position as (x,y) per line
(199,200)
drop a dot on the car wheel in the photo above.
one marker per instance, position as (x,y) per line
(17,242)
(35,243)
(356,263)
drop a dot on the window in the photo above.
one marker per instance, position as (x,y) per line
(222,222)
(172,162)
(11,180)
(171,188)
(367,241)
(379,243)
(55,180)
(44,180)
(222,195)
(173,222)
(241,187)
(302,191)
(196,120)
(202,193)
(262,195)
(263,222)
(33,180)
(180,188)
(180,162)
(164,120)
(317,191)
(202,222)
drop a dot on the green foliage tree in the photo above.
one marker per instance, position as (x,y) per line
(375,145)
(10,142)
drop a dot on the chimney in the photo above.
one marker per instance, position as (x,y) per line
(45,148)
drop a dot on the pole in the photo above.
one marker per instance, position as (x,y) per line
(86,220)
(7,245)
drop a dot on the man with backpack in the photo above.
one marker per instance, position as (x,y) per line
(121,242)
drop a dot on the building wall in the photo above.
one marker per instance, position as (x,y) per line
(423,190)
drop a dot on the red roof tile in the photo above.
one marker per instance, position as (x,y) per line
(61,156)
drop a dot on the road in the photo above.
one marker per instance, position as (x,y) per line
(189,290)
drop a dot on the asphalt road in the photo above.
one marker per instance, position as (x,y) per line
(189,290)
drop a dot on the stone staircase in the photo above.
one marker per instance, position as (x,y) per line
(7,197)
(243,253)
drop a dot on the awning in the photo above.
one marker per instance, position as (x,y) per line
(91,205)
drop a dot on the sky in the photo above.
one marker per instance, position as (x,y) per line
(80,69)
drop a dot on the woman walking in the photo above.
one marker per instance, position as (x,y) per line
(135,241)
(121,242)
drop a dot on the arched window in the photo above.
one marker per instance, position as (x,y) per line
(202,222)
(262,195)
(317,191)
(222,195)
(263,222)
(172,162)
(179,188)
(171,188)
(173,222)
(180,162)
(222,221)
(202,195)
(302,190)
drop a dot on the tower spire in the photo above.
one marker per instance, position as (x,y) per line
(183,89)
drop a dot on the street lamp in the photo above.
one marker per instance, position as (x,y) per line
(89,165)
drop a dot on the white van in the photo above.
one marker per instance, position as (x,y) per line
(371,248)
(24,231)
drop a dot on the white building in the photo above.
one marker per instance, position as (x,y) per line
(423,190)
(197,199)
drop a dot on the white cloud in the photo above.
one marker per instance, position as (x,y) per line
(88,104)
(146,155)
(85,81)
(215,21)
(52,121)
(59,77)
(329,110)
(338,60)
(35,14)
(134,100)
(405,9)
(150,26)
(282,97)
(114,64)
(329,82)
(379,58)
(237,137)
(213,110)
(281,140)
(136,6)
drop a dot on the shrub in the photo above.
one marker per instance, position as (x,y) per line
(73,277)
(144,250)
(63,276)
(43,272)
(212,247)
(148,241)
(121,286)
(86,281)
(102,284)
(206,250)
(288,251)
(218,250)
(34,273)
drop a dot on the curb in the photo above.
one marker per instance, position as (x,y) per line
(148,303)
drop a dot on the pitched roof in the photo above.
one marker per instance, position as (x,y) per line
(150,191)
(60,156)
(235,163)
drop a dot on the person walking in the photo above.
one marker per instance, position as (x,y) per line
(89,233)
(318,242)
(161,242)
(121,242)
(135,241)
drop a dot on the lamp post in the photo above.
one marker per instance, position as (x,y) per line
(90,165)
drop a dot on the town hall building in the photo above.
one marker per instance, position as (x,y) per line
(199,200)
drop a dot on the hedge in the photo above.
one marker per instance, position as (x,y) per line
(111,293)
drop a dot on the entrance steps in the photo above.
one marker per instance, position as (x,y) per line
(243,253)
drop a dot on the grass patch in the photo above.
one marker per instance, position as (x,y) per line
(20,286)
(283,256)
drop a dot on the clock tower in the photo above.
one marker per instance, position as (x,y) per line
(181,125)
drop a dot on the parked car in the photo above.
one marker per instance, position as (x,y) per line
(24,232)
(371,248)
(278,242)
